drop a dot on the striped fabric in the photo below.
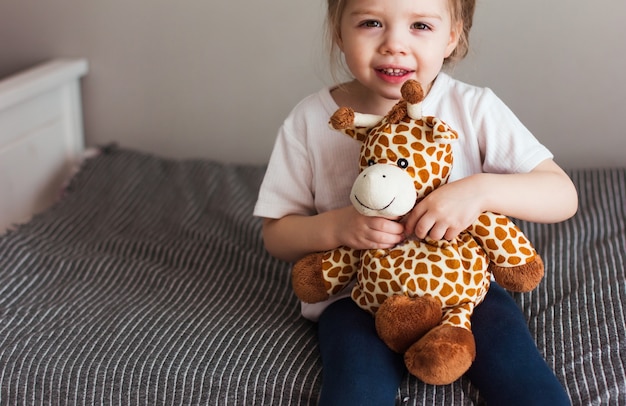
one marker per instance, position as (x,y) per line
(148,284)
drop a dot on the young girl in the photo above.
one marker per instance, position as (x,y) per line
(499,166)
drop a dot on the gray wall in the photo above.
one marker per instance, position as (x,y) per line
(215,79)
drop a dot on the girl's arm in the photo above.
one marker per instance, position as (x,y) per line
(544,195)
(291,237)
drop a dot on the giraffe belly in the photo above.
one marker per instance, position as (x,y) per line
(455,273)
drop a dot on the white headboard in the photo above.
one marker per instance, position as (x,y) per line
(41,136)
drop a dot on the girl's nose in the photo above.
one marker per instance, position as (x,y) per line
(394,42)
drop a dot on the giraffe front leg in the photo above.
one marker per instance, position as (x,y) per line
(446,352)
(317,276)
(521,278)
(514,262)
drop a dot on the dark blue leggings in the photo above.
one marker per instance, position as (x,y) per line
(359,369)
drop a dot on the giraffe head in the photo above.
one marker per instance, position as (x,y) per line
(404,155)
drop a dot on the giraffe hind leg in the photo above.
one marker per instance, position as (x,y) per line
(403,320)
(446,352)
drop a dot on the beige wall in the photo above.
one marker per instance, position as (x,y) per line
(215,79)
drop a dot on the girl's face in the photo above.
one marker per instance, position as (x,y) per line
(386,42)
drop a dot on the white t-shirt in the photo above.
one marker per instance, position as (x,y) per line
(312,167)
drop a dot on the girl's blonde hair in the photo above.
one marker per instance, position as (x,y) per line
(462,12)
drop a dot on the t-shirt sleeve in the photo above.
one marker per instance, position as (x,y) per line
(286,187)
(508,146)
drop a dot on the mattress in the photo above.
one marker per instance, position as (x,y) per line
(148,283)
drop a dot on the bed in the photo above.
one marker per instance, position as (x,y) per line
(143,280)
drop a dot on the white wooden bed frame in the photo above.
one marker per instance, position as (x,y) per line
(41,136)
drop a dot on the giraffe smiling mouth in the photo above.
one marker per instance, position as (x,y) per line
(373,208)
(383,190)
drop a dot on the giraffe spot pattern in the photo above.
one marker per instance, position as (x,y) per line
(400,139)
(452,300)
(457,274)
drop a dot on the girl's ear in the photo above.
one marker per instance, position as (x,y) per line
(455,34)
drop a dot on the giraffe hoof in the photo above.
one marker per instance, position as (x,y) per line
(442,356)
(307,279)
(401,320)
(522,278)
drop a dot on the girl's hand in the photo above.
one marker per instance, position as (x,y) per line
(445,212)
(291,237)
(357,231)
(545,195)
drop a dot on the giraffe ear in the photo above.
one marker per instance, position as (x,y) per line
(442,133)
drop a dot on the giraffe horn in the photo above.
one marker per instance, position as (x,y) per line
(366,120)
(414,110)
(413,93)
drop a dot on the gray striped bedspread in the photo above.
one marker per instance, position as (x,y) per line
(148,284)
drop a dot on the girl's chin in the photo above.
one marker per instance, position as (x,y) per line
(391,92)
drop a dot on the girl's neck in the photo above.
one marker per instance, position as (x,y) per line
(356,96)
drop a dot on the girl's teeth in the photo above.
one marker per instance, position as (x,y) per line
(394,72)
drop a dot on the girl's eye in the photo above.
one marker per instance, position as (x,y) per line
(371,24)
(420,26)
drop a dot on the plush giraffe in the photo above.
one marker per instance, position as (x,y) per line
(422,293)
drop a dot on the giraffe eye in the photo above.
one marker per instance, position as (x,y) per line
(371,162)
(403,163)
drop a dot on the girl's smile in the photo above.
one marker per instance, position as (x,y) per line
(385,43)
(394,75)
